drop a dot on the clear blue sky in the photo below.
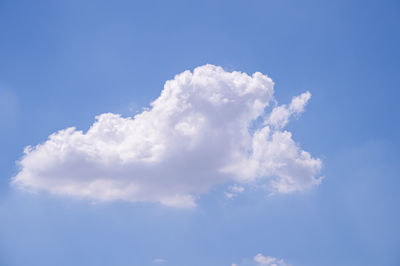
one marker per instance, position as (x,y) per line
(64,62)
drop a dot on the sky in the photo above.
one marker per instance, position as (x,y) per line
(238,133)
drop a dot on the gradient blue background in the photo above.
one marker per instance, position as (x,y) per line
(63,62)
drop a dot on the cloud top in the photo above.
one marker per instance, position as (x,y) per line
(207,127)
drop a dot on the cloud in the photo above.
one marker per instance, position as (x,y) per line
(204,129)
(234,191)
(261,260)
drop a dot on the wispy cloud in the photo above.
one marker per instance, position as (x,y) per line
(158,260)
(234,191)
(195,135)
(261,260)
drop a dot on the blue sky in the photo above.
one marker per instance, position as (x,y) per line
(63,63)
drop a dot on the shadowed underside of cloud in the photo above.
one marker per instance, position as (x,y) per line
(207,127)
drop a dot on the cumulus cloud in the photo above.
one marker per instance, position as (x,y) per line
(204,129)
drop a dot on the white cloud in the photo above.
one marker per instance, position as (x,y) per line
(280,115)
(199,132)
(234,191)
(262,260)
